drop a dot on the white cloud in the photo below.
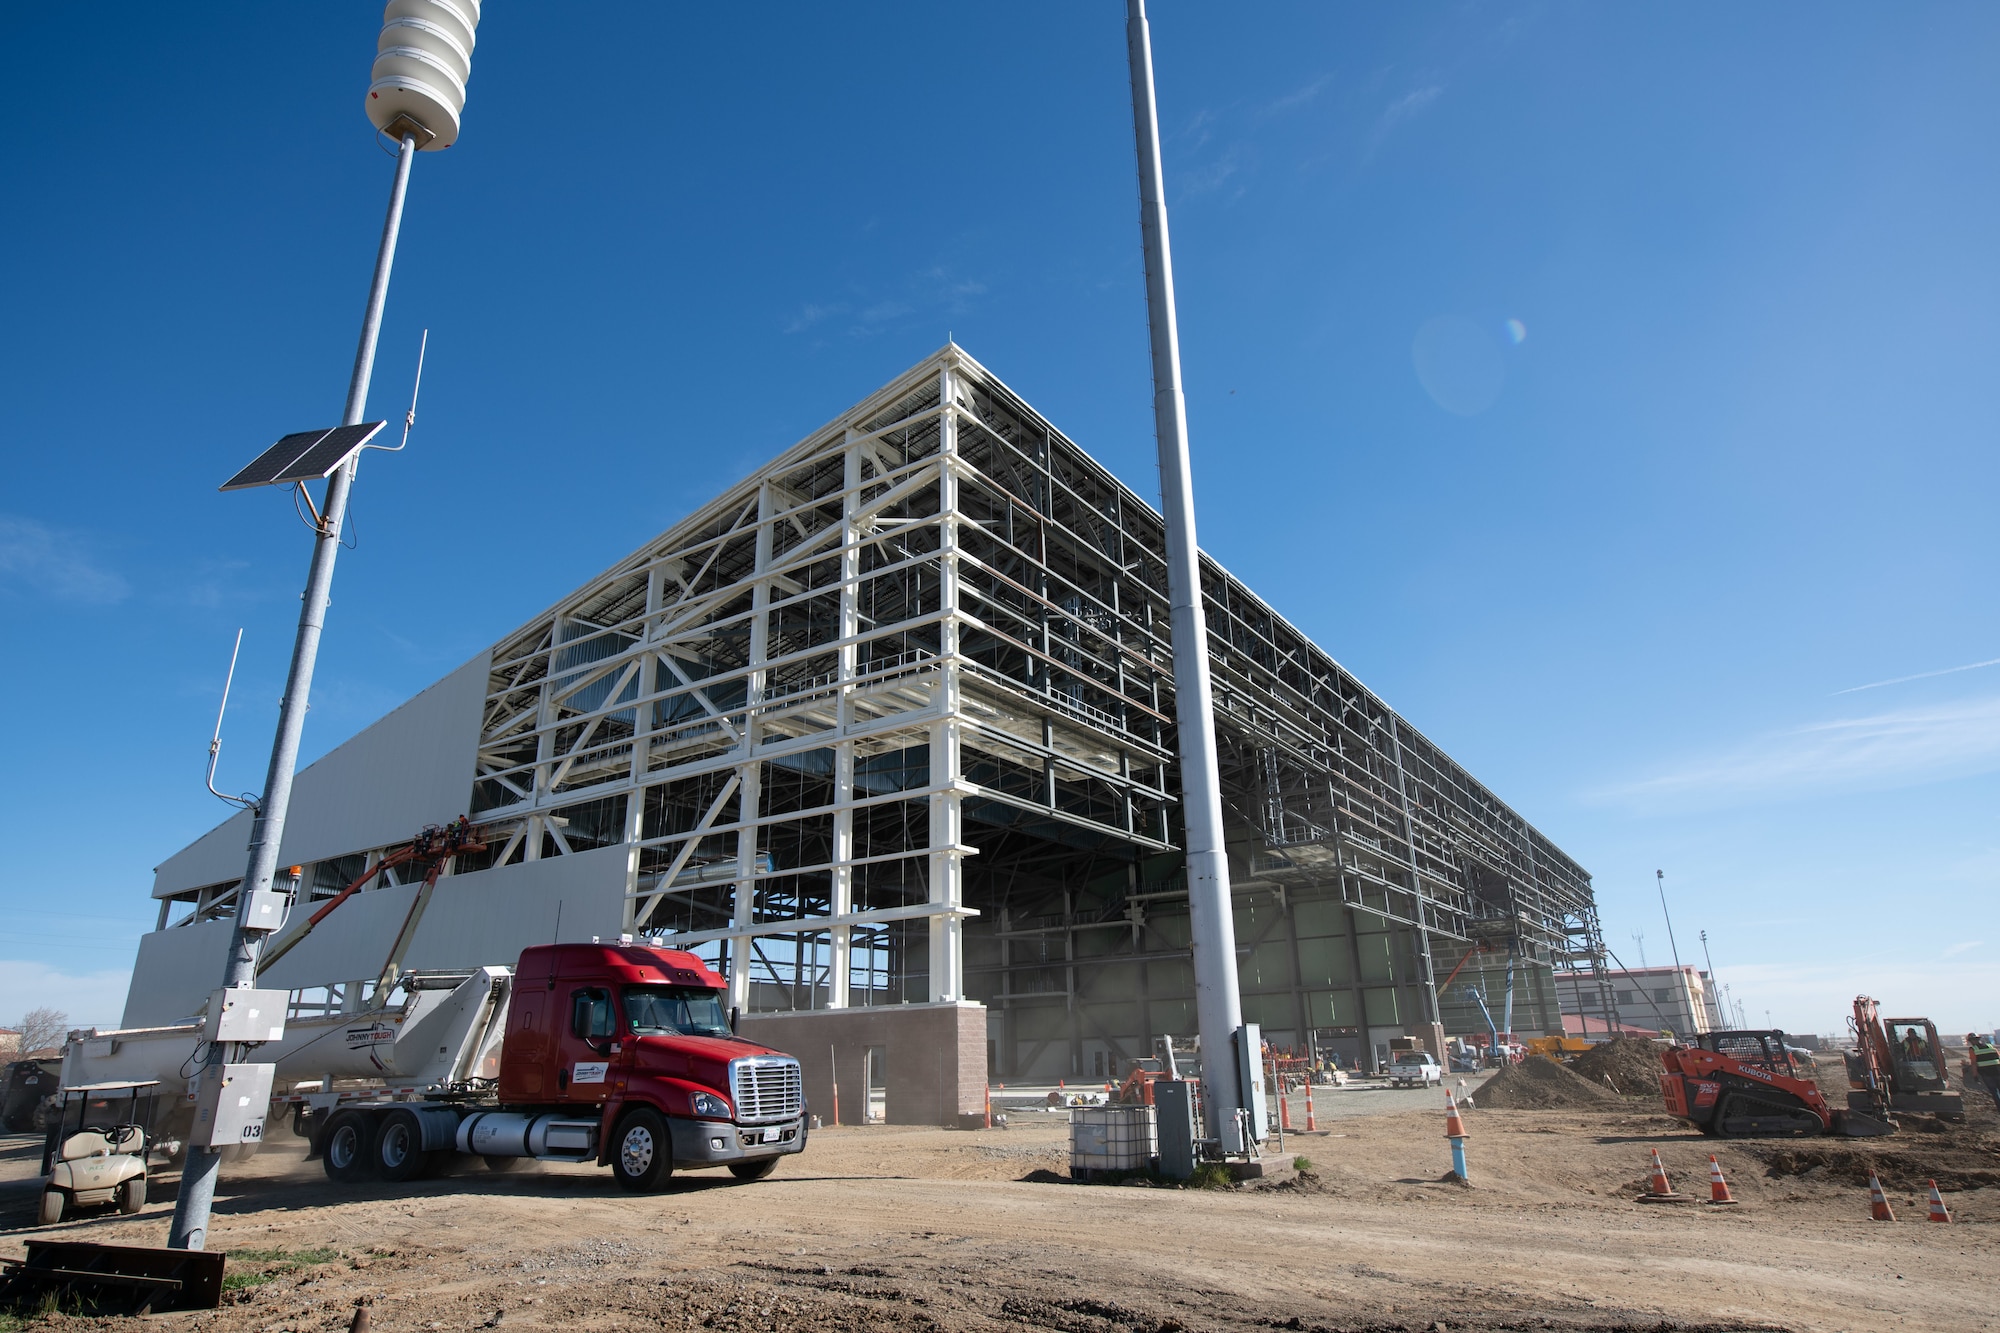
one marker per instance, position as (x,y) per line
(1921,675)
(39,559)
(1967,947)
(1895,749)
(1409,104)
(1297,98)
(91,998)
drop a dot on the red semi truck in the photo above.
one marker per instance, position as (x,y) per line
(618,1054)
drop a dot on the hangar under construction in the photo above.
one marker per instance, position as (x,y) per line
(886,732)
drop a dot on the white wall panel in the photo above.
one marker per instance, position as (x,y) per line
(414,767)
(175,971)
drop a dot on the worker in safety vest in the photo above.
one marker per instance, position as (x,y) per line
(1986,1064)
(1915,1047)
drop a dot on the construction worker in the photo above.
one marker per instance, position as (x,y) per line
(1914,1047)
(1985,1064)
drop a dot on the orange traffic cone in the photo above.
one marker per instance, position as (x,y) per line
(1454,1127)
(1939,1213)
(1718,1188)
(1878,1202)
(989,1108)
(1660,1184)
(1284,1111)
(1312,1125)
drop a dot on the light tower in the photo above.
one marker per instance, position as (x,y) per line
(422,62)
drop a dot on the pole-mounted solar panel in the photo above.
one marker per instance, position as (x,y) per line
(309,455)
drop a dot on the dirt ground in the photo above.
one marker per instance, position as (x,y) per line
(893,1228)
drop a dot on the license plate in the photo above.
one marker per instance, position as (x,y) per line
(770,1136)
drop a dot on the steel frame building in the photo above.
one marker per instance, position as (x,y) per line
(890,724)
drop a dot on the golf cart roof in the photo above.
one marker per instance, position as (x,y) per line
(111,1087)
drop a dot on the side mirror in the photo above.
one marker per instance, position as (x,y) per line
(735,1012)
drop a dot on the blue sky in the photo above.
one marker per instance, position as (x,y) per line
(1610,387)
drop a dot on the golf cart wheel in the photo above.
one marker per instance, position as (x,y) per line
(749,1171)
(399,1150)
(345,1151)
(132,1195)
(52,1208)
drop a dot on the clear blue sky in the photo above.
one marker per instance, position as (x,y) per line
(1610,387)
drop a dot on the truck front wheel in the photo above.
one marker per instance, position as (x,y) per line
(642,1154)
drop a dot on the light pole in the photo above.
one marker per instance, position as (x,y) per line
(1218,1005)
(417,92)
(1708,990)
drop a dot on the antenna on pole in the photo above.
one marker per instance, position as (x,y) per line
(245,801)
(409,417)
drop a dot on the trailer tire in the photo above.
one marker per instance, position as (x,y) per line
(501,1165)
(344,1148)
(642,1155)
(398,1149)
(52,1208)
(749,1171)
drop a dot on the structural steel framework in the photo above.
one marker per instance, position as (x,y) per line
(911,683)
(891,722)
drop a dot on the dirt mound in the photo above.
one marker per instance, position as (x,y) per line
(1957,1161)
(1632,1064)
(1540,1084)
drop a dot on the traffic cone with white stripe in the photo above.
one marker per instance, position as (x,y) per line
(1718,1188)
(1454,1127)
(1878,1202)
(1284,1110)
(1658,1188)
(1939,1213)
(1312,1125)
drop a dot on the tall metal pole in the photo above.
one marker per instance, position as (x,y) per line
(1660,878)
(1218,1006)
(1708,989)
(267,832)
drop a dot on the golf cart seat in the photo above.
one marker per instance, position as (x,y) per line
(97,1143)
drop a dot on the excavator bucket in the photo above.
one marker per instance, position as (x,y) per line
(1860,1125)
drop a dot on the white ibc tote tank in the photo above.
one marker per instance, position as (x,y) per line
(422,62)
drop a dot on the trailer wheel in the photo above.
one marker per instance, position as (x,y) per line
(749,1171)
(345,1154)
(399,1151)
(52,1208)
(500,1165)
(641,1153)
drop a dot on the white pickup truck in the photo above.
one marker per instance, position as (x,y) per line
(1409,1069)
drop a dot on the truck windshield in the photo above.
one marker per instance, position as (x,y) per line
(684,1010)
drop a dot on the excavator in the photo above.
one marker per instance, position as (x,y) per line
(1899,1065)
(1749,1083)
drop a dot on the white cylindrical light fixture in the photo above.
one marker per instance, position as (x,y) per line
(422,63)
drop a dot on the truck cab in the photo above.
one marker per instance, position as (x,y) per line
(639,1035)
(1414,1069)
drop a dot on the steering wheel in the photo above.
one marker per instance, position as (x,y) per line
(118,1136)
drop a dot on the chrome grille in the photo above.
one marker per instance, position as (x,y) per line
(766,1088)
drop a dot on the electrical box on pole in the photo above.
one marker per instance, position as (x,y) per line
(230,1104)
(240,1013)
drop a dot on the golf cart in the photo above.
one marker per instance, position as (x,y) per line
(97,1148)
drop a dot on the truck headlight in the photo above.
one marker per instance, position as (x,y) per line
(710,1107)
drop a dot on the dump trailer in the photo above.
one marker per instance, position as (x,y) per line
(1899,1065)
(620,1055)
(1749,1084)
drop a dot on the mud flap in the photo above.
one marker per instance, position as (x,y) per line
(1858,1125)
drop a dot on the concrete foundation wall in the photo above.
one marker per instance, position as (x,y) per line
(934,1058)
